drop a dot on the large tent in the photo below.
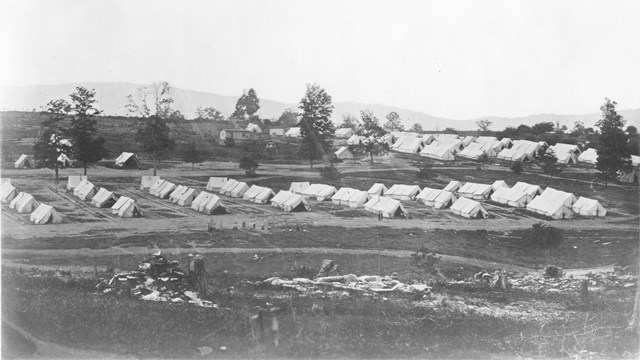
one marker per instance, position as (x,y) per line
(388,207)
(403,192)
(209,203)
(146,182)
(565,153)
(155,188)
(216,183)
(298,187)
(166,190)
(377,189)
(125,207)
(358,198)
(439,199)
(9,192)
(343,153)
(45,214)
(320,192)
(289,201)
(553,203)
(589,156)
(520,151)
(127,160)
(104,198)
(85,190)
(258,194)
(24,203)
(22,162)
(469,208)
(498,184)
(74,180)
(228,186)
(341,197)
(475,191)
(238,190)
(438,152)
(518,196)
(453,186)
(589,207)
(344,133)
(175,193)
(410,142)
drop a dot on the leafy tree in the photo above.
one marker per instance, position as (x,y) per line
(288,118)
(450,130)
(425,260)
(49,145)
(483,160)
(153,106)
(543,238)
(560,129)
(613,154)
(542,127)
(350,121)
(229,142)
(425,170)
(191,154)
(483,125)
(329,173)
(549,163)
(316,127)
(247,104)
(416,128)
(517,168)
(88,148)
(374,143)
(634,140)
(209,113)
(248,163)
(393,122)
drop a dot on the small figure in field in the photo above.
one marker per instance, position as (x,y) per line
(244,224)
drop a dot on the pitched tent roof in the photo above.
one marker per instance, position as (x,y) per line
(388,207)
(104,198)
(276,132)
(439,199)
(475,191)
(321,192)
(469,208)
(342,196)
(298,187)
(254,128)
(24,203)
(175,193)
(127,160)
(358,198)
(515,196)
(520,151)
(186,197)
(589,156)
(565,153)
(293,132)
(216,183)
(125,207)
(238,190)
(403,192)
(45,214)
(438,152)
(553,203)
(5,180)
(209,203)
(258,194)
(453,186)
(344,133)
(289,201)
(146,182)
(22,162)
(354,140)
(531,190)
(377,189)
(498,184)
(85,190)
(166,190)
(343,153)
(9,192)
(588,207)
(411,145)
(74,180)
(228,186)
(468,140)
(64,160)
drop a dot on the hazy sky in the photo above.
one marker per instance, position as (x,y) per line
(447,58)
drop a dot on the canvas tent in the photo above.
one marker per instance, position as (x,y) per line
(254,128)
(469,208)
(358,198)
(104,198)
(175,193)
(258,194)
(439,199)
(498,184)
(24,203)
(289,201)
(9,192)
(127,160)
(238,190)
(45,214)
(85,190)
(298,187)
(125,207)
(343,153)
(146,182)
(403,192)
(320,192)
(438,152)
(354,140)
(185,198)
(565,153)
(64,161)
(22,162)
(216,183)
(228,186)
(589,207)
(553,203)
(589,156)
(155,188)
(5,181)
(520,151)
(344,133)
(341,197)
(468,140)
(453,186)
(518,196)
(166,190)
(377,189)
(74,180)
(293,132)
(388,207)
(475,191)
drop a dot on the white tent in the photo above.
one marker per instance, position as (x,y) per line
(104,198)
(520,151)
(343,153)
(254,128)
(344,133)
(403,192)
(515,196)
(24,203)
(155,188)
(358,198)
(175,193)
(127,160)
(553,203)
(388,207)
(341,197)
(125,208)
(589,156)
(475,191)
(498,184)
(354,140)
(438,152)
(228,186)
(209,203)
(9,192)
(588,207)
(85,190)
(468,140)
(64,161)
(531,190)
(238,190)
(298,187)
(439,199)
(186,197)
(565,153)
(453,186)
(74,180)
(293,132)
(45,214)
(22,162)
(216,183)
(5,180)
(258,194)
(628,177)
(321,192)
(469,208)
(377,189)
(166,190)
(146,182)
(289,201)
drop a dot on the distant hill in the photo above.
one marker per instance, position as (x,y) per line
(112,99)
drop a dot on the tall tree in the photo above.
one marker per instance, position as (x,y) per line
(613,154)
(153,106)
(88,148)
(373,143)
(350,121)
(50,144)
(288,118)
(190,153)
(483,125)
(247,104)
(393,122)
(209,113)
(316,127)
(634,140)
(416,128)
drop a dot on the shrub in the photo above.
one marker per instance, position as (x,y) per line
(229,142)
(329,173)
(517,168)
(248,163)
(543,236)
(425,260)
(425,171)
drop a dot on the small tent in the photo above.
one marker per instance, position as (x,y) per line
(377,189)
(358,198)
(238,190)
(146,182)
(186,197)
(321,192)
(104,198)
(166,190)
(498,184)
(258,194)
(589,156)
(289,201)
(298,187)
(475,191)
(127,160)
(22,162)
(45,214)
(468,208)
(343,153)
(125,208)
(388,207)
(403,192)
(453,186)
(439,199)
(209,203)
(9,192)
(85,190)
(293,132)
(216,183)
(24,203)
(228,186)
(588,207)
(74,180)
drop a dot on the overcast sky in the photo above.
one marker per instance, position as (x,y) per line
(446,58)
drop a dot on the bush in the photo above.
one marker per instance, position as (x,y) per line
(229,142)
(425,260)
(517,168)
(542,236)
(329,173)
(425,171)
(248,163)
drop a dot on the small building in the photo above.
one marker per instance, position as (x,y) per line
(276,132)
(237,134)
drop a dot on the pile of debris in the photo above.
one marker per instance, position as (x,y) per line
(157,279)
(600,281)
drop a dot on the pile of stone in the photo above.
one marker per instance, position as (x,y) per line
(157,279)
(600,281)
(350,282)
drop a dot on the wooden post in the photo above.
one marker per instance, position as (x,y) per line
(197,274)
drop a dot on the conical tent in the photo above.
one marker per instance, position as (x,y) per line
(469,208)
(125,207)
(104,198)
(9,192)
(45,214)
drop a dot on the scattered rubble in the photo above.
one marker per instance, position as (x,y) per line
(594,281)
(552,271)
(157,279)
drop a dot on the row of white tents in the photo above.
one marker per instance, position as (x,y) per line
(83,189)
(24,203)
